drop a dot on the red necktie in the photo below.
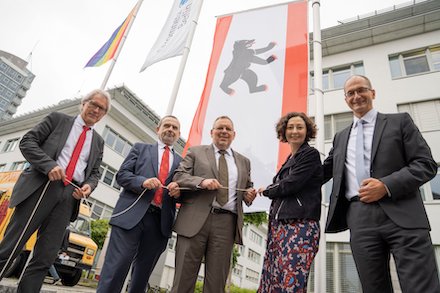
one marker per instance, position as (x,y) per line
(163,174)
(75,155)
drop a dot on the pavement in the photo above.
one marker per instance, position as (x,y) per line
(9,285)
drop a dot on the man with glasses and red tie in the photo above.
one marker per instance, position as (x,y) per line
(64,153)
(377,165)
(144,214)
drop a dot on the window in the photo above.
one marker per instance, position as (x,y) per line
(2,167)
(426,114)
(415,62)
(341,270)
(252,275)
(116,141)
(241,249)
(335,123)
(21,165)
(10,145)
(435,186)
(108,176)
(334,78)
(99,209)
(254,256)
(237,270)
(255,237)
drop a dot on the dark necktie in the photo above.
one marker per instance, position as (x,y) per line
(361,170)
(223,178)
(163,174)
(75,155)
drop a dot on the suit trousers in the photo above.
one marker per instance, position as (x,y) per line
(141,246)
(51,219)
(373,237)
(214,242)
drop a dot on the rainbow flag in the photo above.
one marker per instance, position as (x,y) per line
(107,52)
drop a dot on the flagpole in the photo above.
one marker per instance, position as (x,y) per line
(185,54)
(118,51)
(320,261)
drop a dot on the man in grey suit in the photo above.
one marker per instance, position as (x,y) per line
(142,223)
(50,148)
(378,164)
(211,216)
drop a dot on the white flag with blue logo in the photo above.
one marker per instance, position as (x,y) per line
(172,38)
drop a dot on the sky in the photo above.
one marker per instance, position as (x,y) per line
(58,37)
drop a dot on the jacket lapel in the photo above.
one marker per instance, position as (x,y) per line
(174,166)
(381,121)
(211,158)
(154,158)
(64,134)
(93,153)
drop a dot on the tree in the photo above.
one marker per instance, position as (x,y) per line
(256,219)
(99,231)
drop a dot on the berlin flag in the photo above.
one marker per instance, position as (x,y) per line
(258,72)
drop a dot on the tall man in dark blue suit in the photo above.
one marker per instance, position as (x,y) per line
(378,199)
(49,148)
(141,225)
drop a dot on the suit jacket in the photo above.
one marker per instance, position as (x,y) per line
(400,158)
(140,164)
(198,164)
(41,147)
(296,188)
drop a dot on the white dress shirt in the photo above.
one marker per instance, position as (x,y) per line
(66,153)
(351,183)
(232,180)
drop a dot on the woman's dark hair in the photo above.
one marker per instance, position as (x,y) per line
(282,125)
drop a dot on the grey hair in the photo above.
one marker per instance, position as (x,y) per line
(100,92)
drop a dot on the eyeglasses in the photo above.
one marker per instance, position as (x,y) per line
(92,105)
(359,91)
(223,128)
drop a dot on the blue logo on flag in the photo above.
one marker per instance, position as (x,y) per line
(182,2)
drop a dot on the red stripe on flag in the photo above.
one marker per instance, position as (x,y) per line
(196,131)
(296,67)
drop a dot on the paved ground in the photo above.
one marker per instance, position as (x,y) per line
(9,285)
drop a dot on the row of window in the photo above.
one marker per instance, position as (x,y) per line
(113,140)
(9,83)
(426,116)
(11,72)
(415,62)
(116,142)
(422,60)
(6,93)
(250,275)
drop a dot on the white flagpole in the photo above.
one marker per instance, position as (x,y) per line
(320,260)
(118,51)
(185,53)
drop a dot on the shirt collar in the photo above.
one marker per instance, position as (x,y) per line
(369,117)
(162,145)
(228,150)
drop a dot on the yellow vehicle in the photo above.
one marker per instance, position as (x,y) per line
(81,249)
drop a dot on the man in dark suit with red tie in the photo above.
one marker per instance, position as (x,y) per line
(378,164)
(144,214)
(61,150)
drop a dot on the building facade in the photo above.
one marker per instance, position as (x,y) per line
(15,81)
